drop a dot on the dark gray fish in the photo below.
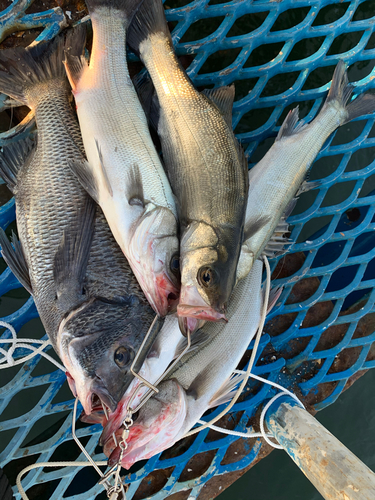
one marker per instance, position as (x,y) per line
(206,167)
(67,257)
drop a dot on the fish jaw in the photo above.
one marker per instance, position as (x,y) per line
(153,244)
(157,427)
(193,309)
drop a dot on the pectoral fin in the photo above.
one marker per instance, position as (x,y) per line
(73,253)
(84,174)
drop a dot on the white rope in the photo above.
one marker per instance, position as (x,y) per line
(7,360)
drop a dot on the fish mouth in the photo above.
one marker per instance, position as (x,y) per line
(191,317)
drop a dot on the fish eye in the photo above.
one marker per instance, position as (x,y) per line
(175,263)
(122,357)
(207,277)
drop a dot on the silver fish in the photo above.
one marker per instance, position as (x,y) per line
(200,380)
(206,167)
(123,173)
(275,180)
(90,304)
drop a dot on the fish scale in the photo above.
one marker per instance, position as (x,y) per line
(88,299)
(123,172)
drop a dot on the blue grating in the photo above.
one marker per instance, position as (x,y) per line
(321,332)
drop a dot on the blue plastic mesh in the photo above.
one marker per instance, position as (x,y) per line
(279,54)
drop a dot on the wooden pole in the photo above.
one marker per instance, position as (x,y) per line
(334,470)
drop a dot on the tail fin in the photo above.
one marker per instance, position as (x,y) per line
(148,19)
(22,69)
(341,91)
(75,62)
(127,7)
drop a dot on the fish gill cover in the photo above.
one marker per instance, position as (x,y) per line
(320,336)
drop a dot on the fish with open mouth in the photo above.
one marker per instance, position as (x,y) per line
(123,174)
(196,383)
(206,167)
(90,303)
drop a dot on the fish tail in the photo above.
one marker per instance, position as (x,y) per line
(24,69)
(341,91)
(126,7)
(148,19)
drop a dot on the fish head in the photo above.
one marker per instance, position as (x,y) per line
(98,343)
(157,427)
(154,258)
(207,277)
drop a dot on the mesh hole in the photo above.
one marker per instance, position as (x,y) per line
(360,159)
(362,244)
(219,60)
(86,478)
(197,466)
(253,120)
(23,402)
(312,227)
(153,483)
(279,83)
(330,13)
(67,451)
(319,77)
(341,278)
(264,54)
(364,11)
(6,438)
(348,133)
(244,87)
(63,394)
(201,29)
(368,187)
(331,337)
(345,42)
(328,253)
(45,428)
(305,201)
(13,300)
(305,48)
(175,4)
(338,193)
(290,18)
(369,274)
(371,42)
(247,23)
(359,70)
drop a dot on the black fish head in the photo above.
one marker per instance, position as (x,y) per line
(99,342)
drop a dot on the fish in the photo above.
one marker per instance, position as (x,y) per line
(167,347)
(206,167)
(88,299)
(279,177)
(199,381)
(123,172)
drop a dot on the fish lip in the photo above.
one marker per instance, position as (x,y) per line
(200,312)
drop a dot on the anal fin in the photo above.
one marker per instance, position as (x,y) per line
(227,391)
(15,259)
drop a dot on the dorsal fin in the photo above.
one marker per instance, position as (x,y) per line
(15,259)
(198,339)
(12,158)
(226,392)
(223,97)
(290,125)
